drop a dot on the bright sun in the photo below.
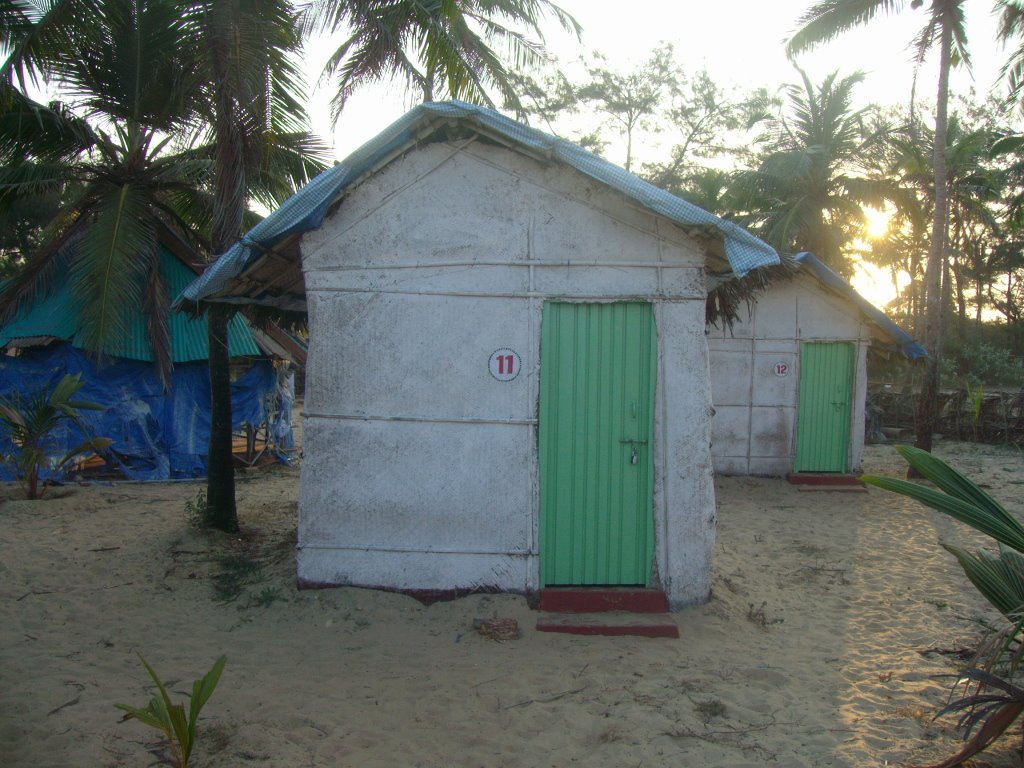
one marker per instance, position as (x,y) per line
(878,222)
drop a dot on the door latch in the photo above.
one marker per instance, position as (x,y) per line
(633,455)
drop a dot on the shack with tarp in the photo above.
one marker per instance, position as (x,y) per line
(159,431)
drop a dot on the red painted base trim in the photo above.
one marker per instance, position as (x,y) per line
(823,478)
(425,596)
(576,625)
(601,599)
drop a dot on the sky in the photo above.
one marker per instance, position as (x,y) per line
(740,43)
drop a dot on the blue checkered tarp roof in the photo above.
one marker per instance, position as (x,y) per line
(305,210)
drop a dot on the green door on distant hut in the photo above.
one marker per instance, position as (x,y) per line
(598,364)
(823,416)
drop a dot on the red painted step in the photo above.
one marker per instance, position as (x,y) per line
(600,599)
(610,623)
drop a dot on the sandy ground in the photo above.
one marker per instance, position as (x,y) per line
(831,615)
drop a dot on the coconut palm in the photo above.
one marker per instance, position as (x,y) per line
(34,34)
(252,106)
(903,162)
(107,151)
(805,194)
(973,189)
(976,190)
(1011,30)
(178,113)
(443,48)
(944,28)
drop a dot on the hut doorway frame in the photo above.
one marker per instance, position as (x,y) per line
(596,429)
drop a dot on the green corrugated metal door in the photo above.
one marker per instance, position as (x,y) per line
(598,364)
(823,417)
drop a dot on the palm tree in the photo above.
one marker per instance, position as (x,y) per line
(253,108)
(179,113)
(440,47)
(804,194)
(975,194)
(945,29)
(1011,29)
(107,152)
(973,189)
(905,162)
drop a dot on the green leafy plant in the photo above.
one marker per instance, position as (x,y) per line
(170,718)
(975,402)
(990,700)
(30,423)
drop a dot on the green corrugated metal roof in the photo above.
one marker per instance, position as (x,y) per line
(48,315)
(55,315)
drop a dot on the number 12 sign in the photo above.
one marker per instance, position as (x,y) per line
(504,364)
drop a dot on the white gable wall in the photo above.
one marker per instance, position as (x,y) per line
(755,422)
(420,469)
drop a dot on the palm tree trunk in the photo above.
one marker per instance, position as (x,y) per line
(221,512)
(979,288)
(1008,311)
(927,410)
(229,208)
(428,85)
(961,296)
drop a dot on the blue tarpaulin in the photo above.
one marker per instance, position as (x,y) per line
(156,434)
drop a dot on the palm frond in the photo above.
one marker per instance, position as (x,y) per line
(431,44)
(994,713)
(999,578)
(109,271)
(21,180)
(38,34)
(156,307)
(826,20)
(43,132)
(281,163)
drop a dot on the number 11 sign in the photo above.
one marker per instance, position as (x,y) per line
(504,364)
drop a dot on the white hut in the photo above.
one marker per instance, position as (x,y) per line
(508,381)
(789,383)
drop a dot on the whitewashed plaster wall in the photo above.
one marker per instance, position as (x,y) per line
(420,468)
(754,426)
